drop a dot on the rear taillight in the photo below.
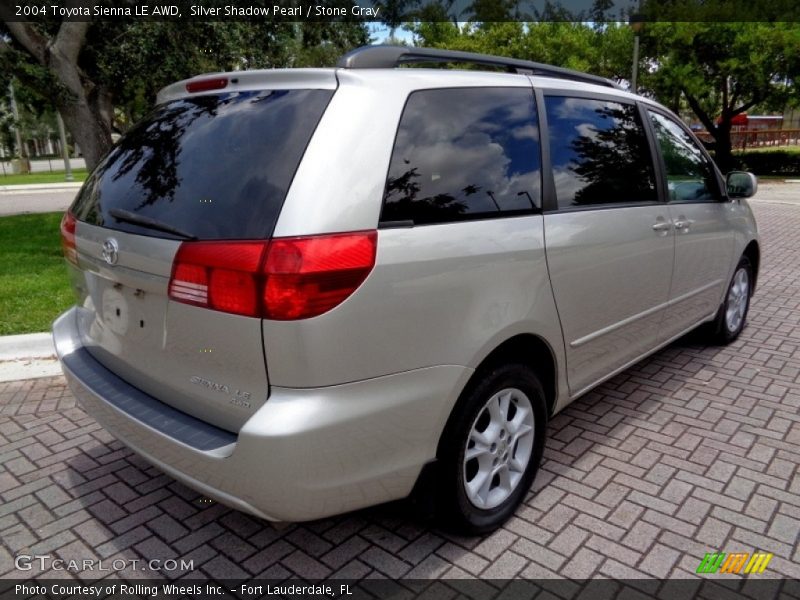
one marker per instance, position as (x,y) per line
(68,223)
(220,275)
(307,276)
(285,279)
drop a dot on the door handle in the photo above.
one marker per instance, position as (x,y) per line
(662,226)
(683,224)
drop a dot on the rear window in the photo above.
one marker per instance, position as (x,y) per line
(213,166)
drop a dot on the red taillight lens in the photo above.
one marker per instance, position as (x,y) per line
(233,291)
(310,275)
(204,85)
(68,223)
(285,279)
(220,275)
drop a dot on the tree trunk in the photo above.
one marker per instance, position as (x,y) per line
(721,132)
(85,108)
(89,130)
(723,149)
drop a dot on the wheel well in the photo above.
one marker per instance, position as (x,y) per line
(529,350)
(525,349)
(753,253)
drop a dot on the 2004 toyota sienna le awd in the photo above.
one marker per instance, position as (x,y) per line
(306,291)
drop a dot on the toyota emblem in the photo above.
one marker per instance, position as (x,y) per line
(110,251)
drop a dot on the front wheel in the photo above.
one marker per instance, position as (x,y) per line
(732,314)
(491,450)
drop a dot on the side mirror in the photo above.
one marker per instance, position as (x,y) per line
(741,184)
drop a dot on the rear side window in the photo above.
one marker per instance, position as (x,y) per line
(464,154)
(599,153)
(211,166)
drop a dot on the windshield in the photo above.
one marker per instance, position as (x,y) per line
(212,166)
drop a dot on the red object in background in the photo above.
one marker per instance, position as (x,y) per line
(738,120)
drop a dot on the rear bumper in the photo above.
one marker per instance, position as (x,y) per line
(305,454)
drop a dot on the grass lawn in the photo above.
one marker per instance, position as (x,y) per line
(34,288)
(55,177)
(786,149)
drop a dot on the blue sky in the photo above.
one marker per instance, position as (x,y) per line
(380,32)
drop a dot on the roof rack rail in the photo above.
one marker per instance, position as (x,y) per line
(389,57)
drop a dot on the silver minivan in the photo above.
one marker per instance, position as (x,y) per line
(306,291)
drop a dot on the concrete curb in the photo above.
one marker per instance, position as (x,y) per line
(27,356)
(29,345)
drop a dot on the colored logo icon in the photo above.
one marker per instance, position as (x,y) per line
(735,562)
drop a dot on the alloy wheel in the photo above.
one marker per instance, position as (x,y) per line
(499,448)
(738,296)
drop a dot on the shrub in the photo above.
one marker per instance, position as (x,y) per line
(771,162)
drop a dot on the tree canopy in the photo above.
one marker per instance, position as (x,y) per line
(104,75)
(721,70)
(602,50)
(716,70)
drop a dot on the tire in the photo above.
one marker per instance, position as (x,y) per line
(501,421)
(732,314)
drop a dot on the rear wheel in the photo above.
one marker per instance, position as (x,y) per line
(491,450)
(732,315)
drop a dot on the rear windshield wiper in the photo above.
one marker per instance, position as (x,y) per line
(127,216)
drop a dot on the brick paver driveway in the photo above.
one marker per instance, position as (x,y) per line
(694,450)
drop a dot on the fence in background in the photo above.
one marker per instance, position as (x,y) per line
(759,138)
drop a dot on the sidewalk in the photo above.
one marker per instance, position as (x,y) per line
(37,197)
(34,188)
(27,357)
